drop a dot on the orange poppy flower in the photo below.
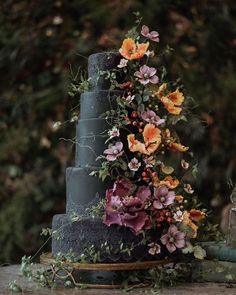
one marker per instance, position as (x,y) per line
(152,140)
(196,215)
(188,222)
(172,145)
(172,101)
(130,50)
(170,182)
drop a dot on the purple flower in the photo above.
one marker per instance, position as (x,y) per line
(154,248)
(173,239)
(151,117)
(146,75)
(153,35)
(134,164)
(163,197)
(114,151)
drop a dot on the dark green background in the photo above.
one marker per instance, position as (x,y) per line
(35,53)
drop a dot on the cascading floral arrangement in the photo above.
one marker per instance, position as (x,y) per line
(144,157)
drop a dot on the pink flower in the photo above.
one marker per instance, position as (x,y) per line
(151,117)
(153,35)
(134,164)
(173,239)
(114,151)
(146,75)
(154,248)
(163,197)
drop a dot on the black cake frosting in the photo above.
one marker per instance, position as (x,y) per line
(84,190)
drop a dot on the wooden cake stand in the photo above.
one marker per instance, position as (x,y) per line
(98,275)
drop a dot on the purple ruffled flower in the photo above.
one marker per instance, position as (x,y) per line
(122,188)
(153,35)
(163,197)
(114,151)
(146,75)
(136,221)
(173,239)
(122,208)
(151,117)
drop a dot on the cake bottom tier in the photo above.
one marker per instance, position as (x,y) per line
(89,236)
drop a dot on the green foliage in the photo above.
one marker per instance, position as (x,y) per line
(37,44)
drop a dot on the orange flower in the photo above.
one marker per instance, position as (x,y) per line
(135,145)
(172,101)
(188,222)
(196,215)
(130,50)
(179,198)
(152,140)
(170,182)
(170,142)
(178,147)
(176,97)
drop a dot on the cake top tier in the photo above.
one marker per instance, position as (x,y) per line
(101,62)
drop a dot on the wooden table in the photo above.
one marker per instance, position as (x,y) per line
(11,273)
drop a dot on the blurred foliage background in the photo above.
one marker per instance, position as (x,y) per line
(39,40)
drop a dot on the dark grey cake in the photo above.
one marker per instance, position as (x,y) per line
(82,189)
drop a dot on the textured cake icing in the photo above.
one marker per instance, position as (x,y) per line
(82,189)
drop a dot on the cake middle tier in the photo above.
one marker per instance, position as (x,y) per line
(83,190)
(91,135)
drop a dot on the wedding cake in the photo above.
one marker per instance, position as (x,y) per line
(84,190)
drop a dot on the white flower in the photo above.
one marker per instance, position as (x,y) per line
(149,53)
(114,132)
(154,248)
(188,248)
(199,252)
(134,164)
(129,98)
(188,188)
(123,63)
(178,216)
(184,164)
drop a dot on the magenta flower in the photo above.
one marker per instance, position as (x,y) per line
(153,35)
(122,188)
(151,117)
(134,164)
(163,197)
(173,239)
(146,75)
(113,210)
(115,151)
(143,193)
(136,221)
(125,209)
